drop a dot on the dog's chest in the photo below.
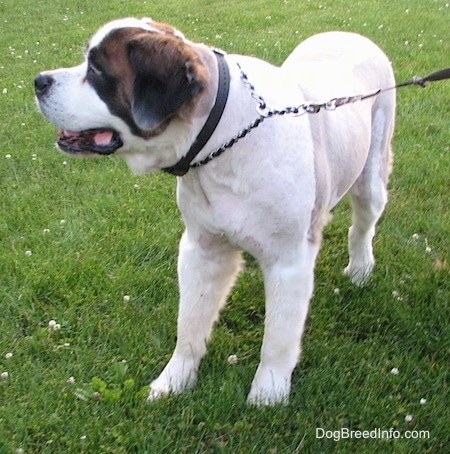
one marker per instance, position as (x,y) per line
(256,218)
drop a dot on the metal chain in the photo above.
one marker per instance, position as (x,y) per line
(311,108)
(230,143)
(259,99)
(265,112)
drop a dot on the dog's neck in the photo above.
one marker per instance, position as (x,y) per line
(183,165)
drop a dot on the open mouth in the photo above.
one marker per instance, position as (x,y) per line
(98,141)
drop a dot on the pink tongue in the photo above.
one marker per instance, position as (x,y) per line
(103,138)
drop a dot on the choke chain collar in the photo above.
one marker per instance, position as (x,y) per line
(264,112)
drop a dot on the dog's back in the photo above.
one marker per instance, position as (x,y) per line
(334,60)
(340,64)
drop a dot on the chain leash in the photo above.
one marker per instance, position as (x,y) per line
(310,108)
(264,113)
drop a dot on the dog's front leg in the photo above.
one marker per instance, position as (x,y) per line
(206,270)
(288,286)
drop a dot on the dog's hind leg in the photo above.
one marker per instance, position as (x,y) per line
(369,197)
(207,269)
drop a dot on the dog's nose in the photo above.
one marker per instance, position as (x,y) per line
(42,84)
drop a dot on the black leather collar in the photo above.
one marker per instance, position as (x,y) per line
(184,164)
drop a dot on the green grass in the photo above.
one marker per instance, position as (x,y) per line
(119,237)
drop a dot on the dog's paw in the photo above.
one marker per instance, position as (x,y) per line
(176,377)
(267,399)
(269,388)
(157,392)
(359,275)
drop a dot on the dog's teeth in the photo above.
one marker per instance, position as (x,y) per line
(66,133)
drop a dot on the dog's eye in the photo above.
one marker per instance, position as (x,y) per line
(94,70)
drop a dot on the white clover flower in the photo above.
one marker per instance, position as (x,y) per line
(8,355)
(62,222)
(395,371)
(83,438)
(136,186)
(28,253)
(336,291)
(4,376)
(53,326)
(126,298)
(7,156)
(423,401)
(5,91)
(46,231)
(408,418)
(232,359)
(71,380)
(396,295)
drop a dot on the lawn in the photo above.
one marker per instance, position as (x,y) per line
(88,290)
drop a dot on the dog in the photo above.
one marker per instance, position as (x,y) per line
(145,92)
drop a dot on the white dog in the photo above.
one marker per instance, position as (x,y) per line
(145,92)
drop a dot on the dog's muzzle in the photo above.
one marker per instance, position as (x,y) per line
(98,140)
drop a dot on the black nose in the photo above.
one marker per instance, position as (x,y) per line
(42,84)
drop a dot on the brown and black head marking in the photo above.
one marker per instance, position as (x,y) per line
(146,78)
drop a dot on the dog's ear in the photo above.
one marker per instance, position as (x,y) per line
(167,76)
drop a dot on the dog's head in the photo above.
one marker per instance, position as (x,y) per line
(138,77)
